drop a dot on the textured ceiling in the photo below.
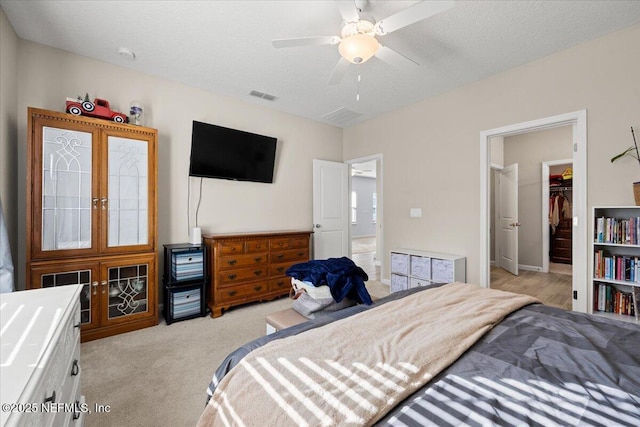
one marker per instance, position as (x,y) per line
(225,46)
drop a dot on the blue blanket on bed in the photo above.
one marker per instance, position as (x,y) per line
(343,276)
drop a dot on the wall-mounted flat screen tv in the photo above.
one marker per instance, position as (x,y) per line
(219,152)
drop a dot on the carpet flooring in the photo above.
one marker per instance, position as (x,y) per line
(158,376)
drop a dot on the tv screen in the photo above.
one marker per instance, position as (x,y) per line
(219,152)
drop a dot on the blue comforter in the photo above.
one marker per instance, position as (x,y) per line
(344,278)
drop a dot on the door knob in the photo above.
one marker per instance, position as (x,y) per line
(317,225)
(515,224)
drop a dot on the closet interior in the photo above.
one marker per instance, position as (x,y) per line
(560,214)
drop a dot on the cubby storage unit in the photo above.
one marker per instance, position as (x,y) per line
(616,262)
(184,280)
(412,268)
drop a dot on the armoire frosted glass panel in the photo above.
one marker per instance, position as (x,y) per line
(66,189)
(128,203)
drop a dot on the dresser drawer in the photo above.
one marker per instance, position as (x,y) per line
(290,255)
(299,242)
(242,260)
(70,387)
(561,253)
(239,292)
(261,245)
(230,247)
(562,243)
(280,284)
(282,243)
(279,269)
(233,277)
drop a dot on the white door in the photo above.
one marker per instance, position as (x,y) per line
(330,209)
(507,213)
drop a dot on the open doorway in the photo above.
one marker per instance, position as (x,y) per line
(576,121)
(542,222)
(365,215)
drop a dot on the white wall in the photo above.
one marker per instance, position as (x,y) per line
(47,76)
(434,144)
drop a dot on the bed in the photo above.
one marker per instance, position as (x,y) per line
(527,364)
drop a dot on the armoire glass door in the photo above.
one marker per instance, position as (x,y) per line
(128,194)
(67,213)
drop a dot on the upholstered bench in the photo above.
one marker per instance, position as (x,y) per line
(283,319)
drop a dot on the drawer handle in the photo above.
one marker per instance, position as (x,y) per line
(258,246)
(280,284)
(258,259)
(279,256)
(257,288)
(51,398)
(232,262)
(75,368)
(257,272)
(231,276)
(300,253)
(76,414)
(232,293)
(280,269)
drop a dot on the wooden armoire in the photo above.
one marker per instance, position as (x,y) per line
(91,217)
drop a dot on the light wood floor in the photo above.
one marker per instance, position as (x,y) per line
(363,254)
(552,289)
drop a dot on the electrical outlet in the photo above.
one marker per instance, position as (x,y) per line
(415,212)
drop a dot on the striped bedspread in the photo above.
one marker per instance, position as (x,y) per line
(353,371)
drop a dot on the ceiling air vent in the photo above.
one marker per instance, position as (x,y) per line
(263,95)
(341,116)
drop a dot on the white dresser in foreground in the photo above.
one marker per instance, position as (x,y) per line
(40,358)
(412,268)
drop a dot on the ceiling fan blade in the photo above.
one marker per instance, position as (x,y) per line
(395,59)
(413,14)
(306,41)
(348,10)
(339,71)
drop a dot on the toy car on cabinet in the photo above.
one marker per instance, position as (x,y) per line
(98,108)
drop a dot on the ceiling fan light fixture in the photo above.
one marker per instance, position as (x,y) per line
(358,48)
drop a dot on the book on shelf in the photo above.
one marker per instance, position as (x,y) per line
(609,299)
(617,231)
(624,268)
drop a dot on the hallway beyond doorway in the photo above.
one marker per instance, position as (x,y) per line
(363,250)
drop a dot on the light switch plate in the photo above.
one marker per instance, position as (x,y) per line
(415,212)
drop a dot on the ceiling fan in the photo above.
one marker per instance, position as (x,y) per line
(358,41)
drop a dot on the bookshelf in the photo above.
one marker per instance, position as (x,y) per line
(616,262)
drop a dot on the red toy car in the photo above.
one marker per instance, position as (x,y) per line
(98,108)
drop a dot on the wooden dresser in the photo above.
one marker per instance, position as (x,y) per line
(561,242)
(40,358)
(251,267)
